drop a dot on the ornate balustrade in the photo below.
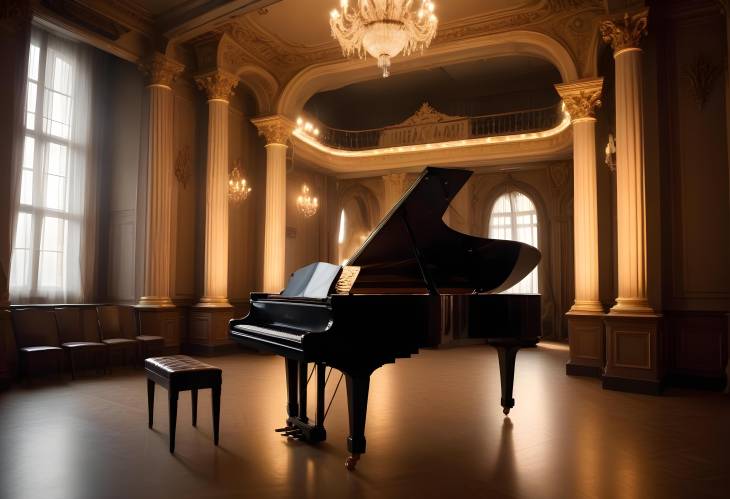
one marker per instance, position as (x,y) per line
(429,126)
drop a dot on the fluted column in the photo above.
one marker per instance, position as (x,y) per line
(624,37)
(581,99)
(161,72)
(277,130)
(218,86)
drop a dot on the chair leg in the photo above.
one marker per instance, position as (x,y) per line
(71,365)
(59,364)
(173,418)
(150,401)
(216,412)
(194,399)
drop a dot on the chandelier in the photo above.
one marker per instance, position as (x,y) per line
(384,28)
(238,189)
(306,204)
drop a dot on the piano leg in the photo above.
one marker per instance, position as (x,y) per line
(507,356)
(358,386)
(303,391)
(292,369)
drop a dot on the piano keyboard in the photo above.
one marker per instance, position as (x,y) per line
(263,331)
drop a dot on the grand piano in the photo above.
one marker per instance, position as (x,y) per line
(379,307)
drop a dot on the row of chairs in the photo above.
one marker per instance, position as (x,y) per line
(49,336)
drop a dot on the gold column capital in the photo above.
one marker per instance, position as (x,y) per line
(625,33)
(581,97)
(160,69)
(276,128)
(217,84)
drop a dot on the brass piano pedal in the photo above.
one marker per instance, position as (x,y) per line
(286,428)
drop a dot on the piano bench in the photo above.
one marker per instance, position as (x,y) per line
(178,373)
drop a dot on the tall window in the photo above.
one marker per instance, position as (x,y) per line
(46,249)
(514,217)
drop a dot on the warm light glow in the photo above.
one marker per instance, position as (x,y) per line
(384,28)
(341,232)
(238,188)
(384,151)
(306,203)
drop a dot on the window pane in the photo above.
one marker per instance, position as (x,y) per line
(57,156)
(50,270)
(28,152)
(55,192)
(52,235)
(61,75)
(23,231)
(20,264)
(31,97)
(57,114)
(30,121)
(33,59)
(26,187)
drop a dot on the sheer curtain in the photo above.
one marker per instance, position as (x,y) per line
(53,250)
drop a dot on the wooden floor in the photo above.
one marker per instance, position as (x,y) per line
(435,429)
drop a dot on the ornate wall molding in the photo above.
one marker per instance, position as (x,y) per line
(161,70)
(627,33)
(217,84)
(277,129)
(701,74)
(581,97)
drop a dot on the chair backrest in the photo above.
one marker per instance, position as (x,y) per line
(35,327)
(69,324)
(128,321)
(90,324)
(110,324)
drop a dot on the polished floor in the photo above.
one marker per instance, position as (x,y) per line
(435,430)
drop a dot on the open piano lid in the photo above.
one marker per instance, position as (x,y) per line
(413,249)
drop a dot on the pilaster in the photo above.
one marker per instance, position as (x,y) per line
(277,130)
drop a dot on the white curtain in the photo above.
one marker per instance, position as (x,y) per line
(56,220)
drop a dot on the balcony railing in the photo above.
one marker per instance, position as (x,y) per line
(443,130)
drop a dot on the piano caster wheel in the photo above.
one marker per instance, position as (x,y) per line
(506,411)
(351,462)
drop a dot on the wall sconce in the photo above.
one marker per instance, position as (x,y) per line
(611,153)
(238,188)
(306,203)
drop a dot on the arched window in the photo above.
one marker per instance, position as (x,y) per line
(514,217)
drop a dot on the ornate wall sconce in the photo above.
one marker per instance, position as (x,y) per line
(238,188)
(306,203)
(611,153)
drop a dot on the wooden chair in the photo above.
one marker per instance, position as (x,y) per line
(36,336)
(78,343)
(148,345)
(120,342)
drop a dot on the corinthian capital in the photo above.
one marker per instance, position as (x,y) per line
(161,70)
(217,84)
(581,97)
(277,129)
(627,33)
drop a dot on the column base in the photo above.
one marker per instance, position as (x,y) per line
(631,306)
(155,302)
(209,330)
(634,361)
(213,302)
(587,344)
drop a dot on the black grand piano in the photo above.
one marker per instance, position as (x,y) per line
(377,308)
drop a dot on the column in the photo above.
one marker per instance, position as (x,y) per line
(218,86)
(585,318)
(624,37)
(633,330)
(161,72)
(277,130)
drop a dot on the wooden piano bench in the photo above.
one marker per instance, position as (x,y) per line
(179,373)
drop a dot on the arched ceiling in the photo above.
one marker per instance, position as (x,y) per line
(478,87)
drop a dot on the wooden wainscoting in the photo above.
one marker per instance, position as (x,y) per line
(697,347)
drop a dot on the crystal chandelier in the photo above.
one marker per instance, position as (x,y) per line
(384,28)
(306,204)
(238,189)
